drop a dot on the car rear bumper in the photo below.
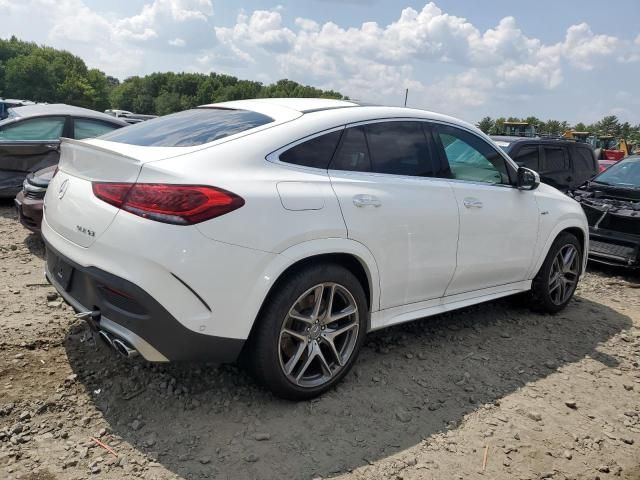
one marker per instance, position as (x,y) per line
(129,313)
(614,248)
(29,211)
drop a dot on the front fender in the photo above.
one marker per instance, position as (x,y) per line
(568,221)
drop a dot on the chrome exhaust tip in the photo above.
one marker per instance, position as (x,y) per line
(106,338)
(123,349)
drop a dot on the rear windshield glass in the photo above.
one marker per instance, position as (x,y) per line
(189,128)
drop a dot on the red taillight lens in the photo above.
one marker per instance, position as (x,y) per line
(177,204)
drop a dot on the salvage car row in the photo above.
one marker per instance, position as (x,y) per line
(29,153)
(292,227)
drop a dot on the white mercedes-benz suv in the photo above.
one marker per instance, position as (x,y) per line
(284,230)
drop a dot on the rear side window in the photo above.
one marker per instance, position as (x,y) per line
(189,128)
(528,157)
(353,154)
(316,152)
(398,148)
(48,128)
(555,160)
(88,128)
(584,160)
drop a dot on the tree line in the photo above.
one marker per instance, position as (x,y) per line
(44,74)
(609,125)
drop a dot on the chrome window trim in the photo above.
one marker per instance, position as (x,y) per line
(274,157)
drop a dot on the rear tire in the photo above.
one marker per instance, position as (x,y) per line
(309,332)
(556,282)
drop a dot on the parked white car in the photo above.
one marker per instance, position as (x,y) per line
(286,229)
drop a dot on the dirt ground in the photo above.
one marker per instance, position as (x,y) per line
(493,392)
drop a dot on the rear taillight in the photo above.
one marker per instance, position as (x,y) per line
(176,204)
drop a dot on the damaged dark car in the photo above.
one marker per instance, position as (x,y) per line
(611,202)
(30,138)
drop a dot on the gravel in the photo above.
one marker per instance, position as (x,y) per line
(544,396)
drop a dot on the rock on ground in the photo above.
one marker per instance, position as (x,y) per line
(538,396)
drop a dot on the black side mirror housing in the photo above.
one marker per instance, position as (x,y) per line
(527,179)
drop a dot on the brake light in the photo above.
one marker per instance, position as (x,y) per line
(167,203)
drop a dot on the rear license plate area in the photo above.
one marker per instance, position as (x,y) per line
(60,270)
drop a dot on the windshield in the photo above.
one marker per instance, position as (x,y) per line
(189,128)
(625,173)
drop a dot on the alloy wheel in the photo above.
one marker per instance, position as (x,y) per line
(564,274)
(319,334)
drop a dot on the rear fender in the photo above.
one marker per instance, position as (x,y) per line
(312,248)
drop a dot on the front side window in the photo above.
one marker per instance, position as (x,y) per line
(555,160)
(528,157)
(398,148)
(316,152)
(88,128)
(189,128)
(46,129)
(353,153)
(471,158)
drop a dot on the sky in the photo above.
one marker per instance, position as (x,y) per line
(563,59)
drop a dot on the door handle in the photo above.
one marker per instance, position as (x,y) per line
(366,201)
(472,203)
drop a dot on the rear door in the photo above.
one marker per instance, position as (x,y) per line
(26,146)
(498,223)
(384,176)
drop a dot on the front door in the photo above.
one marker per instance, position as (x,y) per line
(391,203)
(498,223)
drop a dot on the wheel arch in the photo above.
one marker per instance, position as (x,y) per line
(350,254)
(579,231)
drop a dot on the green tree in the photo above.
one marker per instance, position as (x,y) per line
(498,126)
(486,124)
(609,125)
(48,75)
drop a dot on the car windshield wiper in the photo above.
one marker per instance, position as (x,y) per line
(626,185)
(599,182)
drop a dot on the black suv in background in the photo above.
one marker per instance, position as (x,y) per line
(563,164)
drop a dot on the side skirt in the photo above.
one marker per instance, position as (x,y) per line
(414,311)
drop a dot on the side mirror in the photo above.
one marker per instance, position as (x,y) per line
(527,179)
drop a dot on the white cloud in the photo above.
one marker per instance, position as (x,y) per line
(375,61)
(160,15)
(584,50)
(177,42)
(445,60)
(262,29)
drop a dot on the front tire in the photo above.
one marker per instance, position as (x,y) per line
(309,332)
(556,282)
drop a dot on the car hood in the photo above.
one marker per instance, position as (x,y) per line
(611,191)
(41,178)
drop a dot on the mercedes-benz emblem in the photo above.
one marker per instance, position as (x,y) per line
(63,188)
